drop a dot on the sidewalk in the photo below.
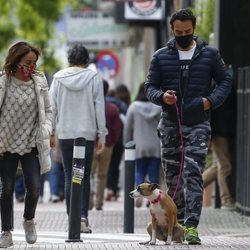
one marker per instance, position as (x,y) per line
(218,229)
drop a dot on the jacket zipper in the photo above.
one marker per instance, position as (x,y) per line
(182,93)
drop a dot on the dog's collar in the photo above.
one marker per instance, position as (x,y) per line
(157,199)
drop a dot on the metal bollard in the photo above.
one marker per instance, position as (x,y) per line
(76,190)
(129,186)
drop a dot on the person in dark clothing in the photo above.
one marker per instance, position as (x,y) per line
(223,125)
(179,80)
(121,98)
(100,164)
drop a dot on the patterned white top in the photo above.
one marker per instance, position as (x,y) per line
(18,117)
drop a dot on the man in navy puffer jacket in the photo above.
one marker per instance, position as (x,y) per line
(180,80)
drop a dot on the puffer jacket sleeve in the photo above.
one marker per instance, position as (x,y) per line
(223,81)
(45,122)
(3,81)
(48,109)
(45,108)
(152,85)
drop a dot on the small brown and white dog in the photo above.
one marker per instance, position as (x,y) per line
(164,225)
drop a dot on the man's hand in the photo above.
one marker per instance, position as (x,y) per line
(206,103)
(169,97)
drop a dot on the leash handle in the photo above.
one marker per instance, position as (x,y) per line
(182,149)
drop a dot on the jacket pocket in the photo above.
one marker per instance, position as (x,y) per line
(193,111)
(168,133)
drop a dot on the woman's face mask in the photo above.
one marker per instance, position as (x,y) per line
(27,70)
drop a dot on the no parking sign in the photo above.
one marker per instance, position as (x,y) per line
(107,63)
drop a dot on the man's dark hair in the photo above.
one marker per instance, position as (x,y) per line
(182,15)
(78,55)
(141,96)
(122,93)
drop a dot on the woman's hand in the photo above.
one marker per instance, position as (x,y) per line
(52,141)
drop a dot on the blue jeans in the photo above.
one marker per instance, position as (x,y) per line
(67,147)
(31,172)
(56,177)
(147,166)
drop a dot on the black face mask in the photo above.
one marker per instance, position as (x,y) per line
(184,41)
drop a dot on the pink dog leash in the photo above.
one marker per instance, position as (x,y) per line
(182,149)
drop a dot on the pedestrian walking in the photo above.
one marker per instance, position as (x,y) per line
(101,161)
(25,128)
(141,126)
(77,101)
(223,125)
(56,176)
(179,80)
(120,96)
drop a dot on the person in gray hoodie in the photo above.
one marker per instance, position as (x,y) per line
(77,100)
(141,126)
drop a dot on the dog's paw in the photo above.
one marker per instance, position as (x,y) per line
(184,242)
(152,243)
(147,243)
(168,243)
(176,242)
(144,243)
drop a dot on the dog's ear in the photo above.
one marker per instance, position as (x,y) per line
(153,186)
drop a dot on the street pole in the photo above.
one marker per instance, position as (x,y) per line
(129,186)
(76,190)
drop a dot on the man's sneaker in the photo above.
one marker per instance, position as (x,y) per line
(191,236)
(6,239)
(85,228)
(30,231)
